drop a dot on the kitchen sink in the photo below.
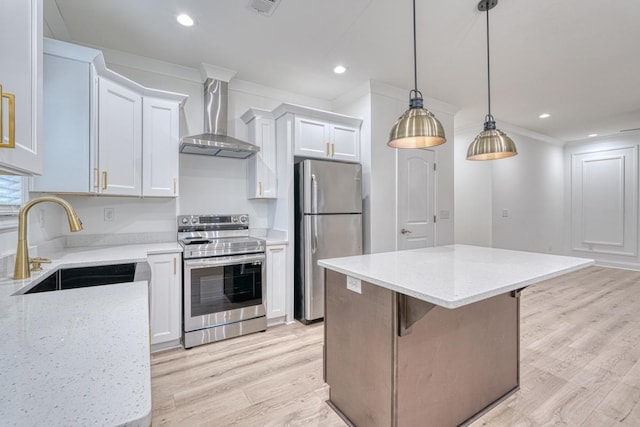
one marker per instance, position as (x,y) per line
(83,277)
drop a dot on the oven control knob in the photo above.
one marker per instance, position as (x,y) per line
(185,220)
(243,219)
(194,220)
(234,219)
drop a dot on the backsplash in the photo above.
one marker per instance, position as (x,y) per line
(77,240)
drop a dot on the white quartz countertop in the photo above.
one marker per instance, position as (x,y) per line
(95,255)
(77,357)
(80,356)
(455,275)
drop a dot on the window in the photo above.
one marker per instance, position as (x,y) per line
(11,190)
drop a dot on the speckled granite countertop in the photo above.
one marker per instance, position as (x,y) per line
(455,275)
(80,356)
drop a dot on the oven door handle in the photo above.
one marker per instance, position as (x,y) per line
(222,261)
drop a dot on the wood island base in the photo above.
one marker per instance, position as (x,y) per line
(394,360)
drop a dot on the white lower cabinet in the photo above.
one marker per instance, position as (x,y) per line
(276,299)
(165,296)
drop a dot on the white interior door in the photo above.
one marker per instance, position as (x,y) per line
(416,198)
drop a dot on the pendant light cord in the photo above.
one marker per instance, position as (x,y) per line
(415,55)
(488,69)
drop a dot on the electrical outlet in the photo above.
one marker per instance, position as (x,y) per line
(109,214)
(505,213)
(41,217)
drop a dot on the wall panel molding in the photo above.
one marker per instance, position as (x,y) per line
(604,201)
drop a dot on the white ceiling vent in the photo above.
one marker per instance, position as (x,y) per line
(263,7)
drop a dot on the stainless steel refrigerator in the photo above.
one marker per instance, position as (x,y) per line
(328,199)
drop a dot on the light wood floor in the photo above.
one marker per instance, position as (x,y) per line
(580,366)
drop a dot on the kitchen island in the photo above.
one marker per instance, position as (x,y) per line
(427,337)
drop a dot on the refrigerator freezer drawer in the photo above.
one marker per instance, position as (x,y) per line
(325,236)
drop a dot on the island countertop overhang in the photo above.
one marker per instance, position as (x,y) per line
(453,276)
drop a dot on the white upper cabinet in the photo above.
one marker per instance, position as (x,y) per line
(311,138)
(261,168)
(322,134)
(21,86)
(160,121)
(121,138)
(67,125)
(345,143)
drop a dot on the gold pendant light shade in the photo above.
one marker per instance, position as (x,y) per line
(416,128)
(491,144)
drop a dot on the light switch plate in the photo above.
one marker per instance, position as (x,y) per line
(354,284)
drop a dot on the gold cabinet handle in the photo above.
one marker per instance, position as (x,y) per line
(104,180)
(260,187)
(174,266)
(96,178)
(12,120)
(333,150)
(328,144)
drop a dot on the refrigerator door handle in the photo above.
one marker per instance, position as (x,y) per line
(314,194)
(314,244)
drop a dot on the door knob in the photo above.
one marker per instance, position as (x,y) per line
(405,231)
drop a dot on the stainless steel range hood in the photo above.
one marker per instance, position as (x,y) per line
(214,141)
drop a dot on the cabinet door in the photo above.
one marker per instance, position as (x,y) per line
(311,138)
(160,145)
(67,127)
(276,281)
(165,297)
(119,139)
(345,142)
(262,167)
(21,81)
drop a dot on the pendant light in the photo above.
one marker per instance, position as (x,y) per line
(491,143)
(417,127)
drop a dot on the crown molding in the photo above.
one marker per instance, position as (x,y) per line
(508,127)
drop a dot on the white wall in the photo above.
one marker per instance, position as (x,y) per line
(530,186)
(473,194)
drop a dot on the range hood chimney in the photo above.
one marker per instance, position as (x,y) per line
(214,141)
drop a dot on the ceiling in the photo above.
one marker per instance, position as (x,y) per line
(576,59)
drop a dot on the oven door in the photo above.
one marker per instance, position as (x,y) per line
(223,290)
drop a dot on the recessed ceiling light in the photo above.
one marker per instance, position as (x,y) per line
(544,115)
(339,69)
(591,135)
(185,20)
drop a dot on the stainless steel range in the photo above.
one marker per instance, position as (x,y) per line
(224,278)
